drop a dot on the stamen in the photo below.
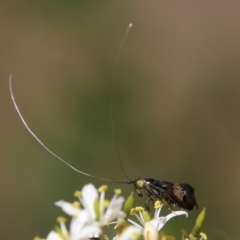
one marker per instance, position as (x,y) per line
(118,191)
(203,235)
(76,204)
(37,238)
(77,193)
(157,204)
(133,211)
(105,203)
(61,219)
(139,209)
(103,188)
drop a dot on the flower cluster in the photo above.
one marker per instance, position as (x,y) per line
(92,212)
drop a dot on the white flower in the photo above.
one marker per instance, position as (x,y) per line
(89,221)
(150,227)
(98,207)
(97,212)
(81,226)
(158,222)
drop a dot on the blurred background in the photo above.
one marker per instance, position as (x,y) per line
(176,105)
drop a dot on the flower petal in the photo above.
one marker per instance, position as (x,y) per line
(161,221)
(68,208)
(114,210)
(88,198)
(53,236)
(82,226)
(79,222)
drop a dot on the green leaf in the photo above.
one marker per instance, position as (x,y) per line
(198,224)
(128,204)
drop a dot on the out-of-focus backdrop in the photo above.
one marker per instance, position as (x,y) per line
(176,105)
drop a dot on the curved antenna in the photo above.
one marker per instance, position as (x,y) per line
(46,148)
(111,99)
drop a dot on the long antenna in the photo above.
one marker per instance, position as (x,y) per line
(46,148)
(111,98)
